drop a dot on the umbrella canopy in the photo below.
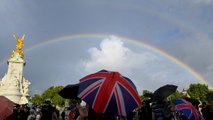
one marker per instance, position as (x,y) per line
(109,92)
(6,107)
(150,95)
(164,91)
(193,101)
(187,109)
(70,91)
(210,95)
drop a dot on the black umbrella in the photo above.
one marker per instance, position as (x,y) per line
(70,91)
(209,95)
(164,91)
(150,95)
(193,101)
(147,101)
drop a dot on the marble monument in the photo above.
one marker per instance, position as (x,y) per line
(13,85)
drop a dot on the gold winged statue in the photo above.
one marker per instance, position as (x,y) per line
(20,42)
(19,45)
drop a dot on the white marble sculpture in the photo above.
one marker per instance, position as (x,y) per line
(13,85)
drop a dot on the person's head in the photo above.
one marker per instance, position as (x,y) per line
(204,104)
(72,108)
(32,111)
(47,101)
(171,108)
(87,106)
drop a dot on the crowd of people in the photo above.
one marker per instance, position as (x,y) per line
(164,110)
(35,112)
(159,110)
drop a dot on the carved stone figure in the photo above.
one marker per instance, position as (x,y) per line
(16,82)
(25,87)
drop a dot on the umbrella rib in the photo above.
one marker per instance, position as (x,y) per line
(108,102)
(132,91)
(120,100)
(103,96)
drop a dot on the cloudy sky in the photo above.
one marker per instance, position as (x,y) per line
(68,39)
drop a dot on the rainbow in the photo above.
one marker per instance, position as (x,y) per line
(174,20)
(137,42)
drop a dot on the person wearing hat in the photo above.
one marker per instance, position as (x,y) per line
(47,110)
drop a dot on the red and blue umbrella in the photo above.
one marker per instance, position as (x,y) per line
(109,92)
(187,109)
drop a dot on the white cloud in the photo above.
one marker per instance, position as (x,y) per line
(113,55)
(143,68)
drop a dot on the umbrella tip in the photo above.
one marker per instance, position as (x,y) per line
(103,70)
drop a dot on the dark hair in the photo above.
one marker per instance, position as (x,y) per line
(47,101)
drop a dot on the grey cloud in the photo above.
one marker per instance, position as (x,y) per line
(180,28)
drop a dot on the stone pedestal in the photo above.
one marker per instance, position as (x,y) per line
(11,93)
(13,85)
(23,100)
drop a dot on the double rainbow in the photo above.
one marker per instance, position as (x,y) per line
(137,42)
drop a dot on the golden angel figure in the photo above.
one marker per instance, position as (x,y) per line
(19,41)
(19,45)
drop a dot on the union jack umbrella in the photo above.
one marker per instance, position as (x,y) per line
(109,92)
(187,109)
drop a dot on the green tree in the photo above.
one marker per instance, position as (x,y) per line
(142,97)
(58,100)
(52,94)
(36,99)
(175,95)
(198,91)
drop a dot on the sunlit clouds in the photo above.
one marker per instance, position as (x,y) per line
(145,67)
